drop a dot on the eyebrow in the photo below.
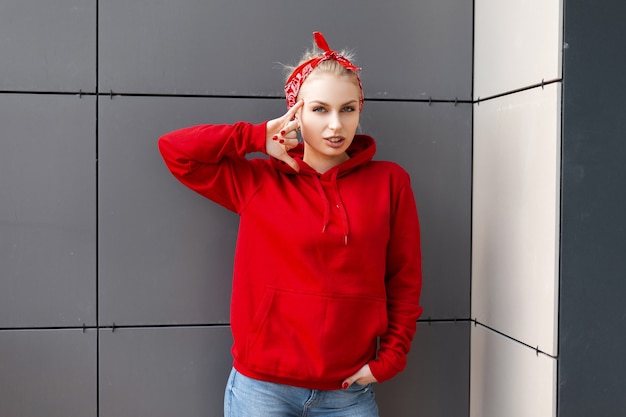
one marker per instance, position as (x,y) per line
(326,104)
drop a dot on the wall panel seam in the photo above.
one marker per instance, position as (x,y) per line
(535,349)
(541,85)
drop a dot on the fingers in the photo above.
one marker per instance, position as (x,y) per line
(363,377)
(285,125)
(290,125)
(289,131)
(282,136)
(289,121)
(287,134)
(288,141)
(289,161)
(293,110)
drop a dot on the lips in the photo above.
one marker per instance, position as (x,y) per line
(335,142)
(335,139)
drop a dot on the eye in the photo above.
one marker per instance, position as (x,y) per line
(348,109)
(319,109)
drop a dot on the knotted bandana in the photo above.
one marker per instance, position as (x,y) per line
(299,75)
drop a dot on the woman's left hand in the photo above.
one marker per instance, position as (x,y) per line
(362,377)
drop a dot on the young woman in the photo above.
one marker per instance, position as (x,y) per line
(327,274)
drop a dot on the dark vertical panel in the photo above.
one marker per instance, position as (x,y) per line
(592,340)
(164,371)
(47,210)
(48,373)
(48,45)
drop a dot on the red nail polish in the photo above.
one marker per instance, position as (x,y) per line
(345,385)
(281,141)
(282,132)
(274,137)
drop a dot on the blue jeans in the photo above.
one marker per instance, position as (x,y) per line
(247,397)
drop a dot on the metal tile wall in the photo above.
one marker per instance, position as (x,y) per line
(47,210)
(48,46)
(163,371)
(409,50)
(115,277)
(48,373)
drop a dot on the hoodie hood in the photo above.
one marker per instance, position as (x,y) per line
(361,151)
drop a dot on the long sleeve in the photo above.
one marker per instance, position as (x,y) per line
(210,159)
(403,284)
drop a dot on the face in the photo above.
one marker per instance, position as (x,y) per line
(328,119)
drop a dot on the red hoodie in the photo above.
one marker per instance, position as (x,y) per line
(327,273)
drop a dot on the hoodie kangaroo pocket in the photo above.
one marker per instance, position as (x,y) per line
(308,335)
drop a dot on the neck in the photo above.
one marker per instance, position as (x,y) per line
(323,165)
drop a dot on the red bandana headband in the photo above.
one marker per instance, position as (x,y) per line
(296,79)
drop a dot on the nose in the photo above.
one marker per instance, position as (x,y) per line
(334,122)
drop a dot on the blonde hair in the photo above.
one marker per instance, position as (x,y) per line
(329,66)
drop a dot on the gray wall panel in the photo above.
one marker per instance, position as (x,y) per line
(48,45)
(165,253)
(161,273)
(90,216)
(48,373)
(592,311)
(47,210)
(164,371)
(408,49)
(433,143)
(434,383)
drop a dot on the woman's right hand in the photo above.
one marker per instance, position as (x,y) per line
(281,136)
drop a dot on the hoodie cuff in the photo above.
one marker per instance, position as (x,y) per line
(258,138)
(382,373)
